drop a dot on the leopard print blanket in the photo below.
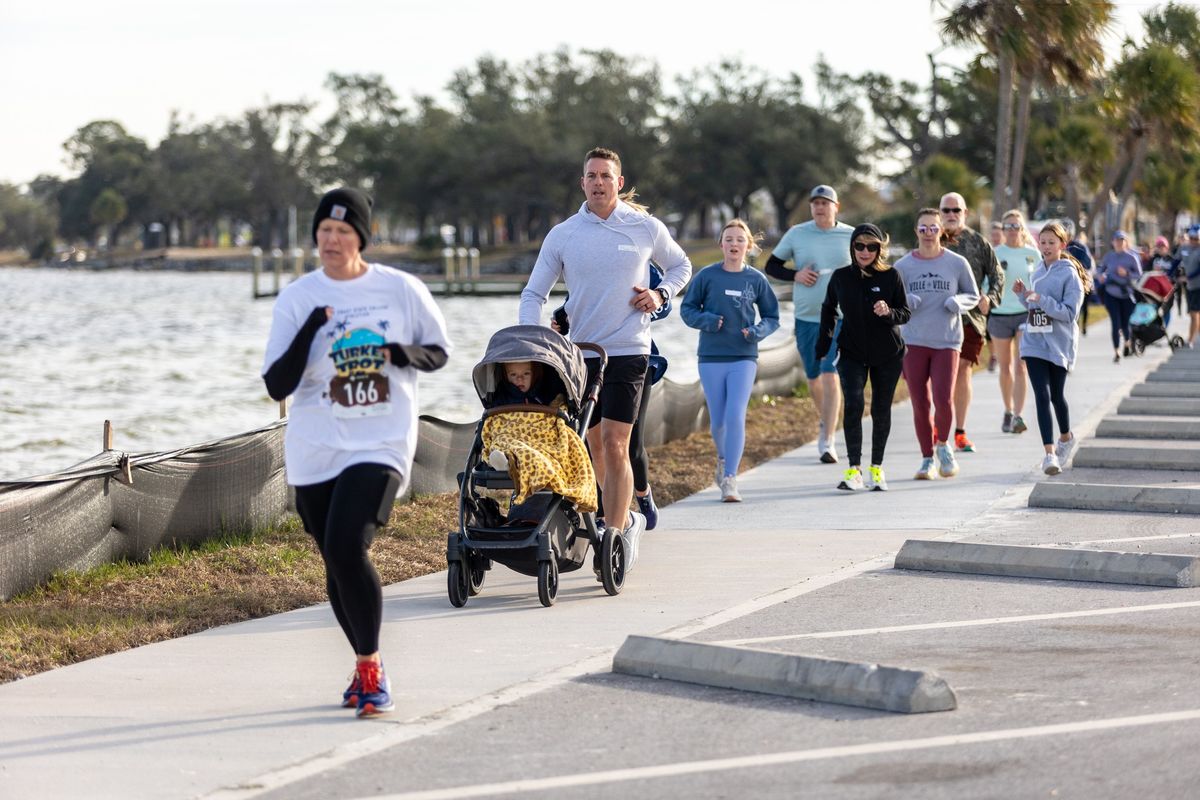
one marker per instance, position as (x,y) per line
(543,453)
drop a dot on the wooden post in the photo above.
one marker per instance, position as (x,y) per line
(277,257)
(256,269)
(283,408)
(108,434)
(298,261)
(473,268)
(448,269)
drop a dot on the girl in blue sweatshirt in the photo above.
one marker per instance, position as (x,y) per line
(721,302)
(1053,297)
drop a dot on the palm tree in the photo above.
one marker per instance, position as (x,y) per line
(1039,42)
(1068,52)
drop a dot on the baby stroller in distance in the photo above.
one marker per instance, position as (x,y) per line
(547,534)
(1155,292)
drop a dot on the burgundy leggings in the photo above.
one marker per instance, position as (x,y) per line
(924,366)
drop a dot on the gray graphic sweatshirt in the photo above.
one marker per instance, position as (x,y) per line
(940,290)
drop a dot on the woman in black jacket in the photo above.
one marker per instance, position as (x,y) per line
(873,305)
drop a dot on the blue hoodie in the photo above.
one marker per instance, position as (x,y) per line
(1060,295)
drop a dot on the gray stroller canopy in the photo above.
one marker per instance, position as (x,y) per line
(532,343)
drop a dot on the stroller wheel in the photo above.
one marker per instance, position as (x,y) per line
(476,575)
(456,584)
(1177,342)
(612,561)
(1139,347)
(548,581)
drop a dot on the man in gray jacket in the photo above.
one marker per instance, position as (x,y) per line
(603,254)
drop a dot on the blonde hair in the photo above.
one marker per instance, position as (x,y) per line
(1026,239)
(1060,233)
(754,238)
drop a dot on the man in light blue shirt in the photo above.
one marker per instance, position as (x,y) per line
(817,248)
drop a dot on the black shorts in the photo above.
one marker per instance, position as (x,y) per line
(1193,298)
(621,392)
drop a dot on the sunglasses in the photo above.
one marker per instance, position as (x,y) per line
(951,210)
(873,247)
(929,228)
(1012,226)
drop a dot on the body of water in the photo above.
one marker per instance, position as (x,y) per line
(174,359)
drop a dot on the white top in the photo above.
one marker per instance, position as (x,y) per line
(351,407)
(601,260)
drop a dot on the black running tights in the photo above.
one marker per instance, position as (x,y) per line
(883,377)
(342,515)
(1048,382)
(638,459)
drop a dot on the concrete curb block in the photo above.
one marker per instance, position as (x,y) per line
(1172,374)
(1149,457)
(1137,428)
(1015,561)
(1166,389)
(1161,406)
(1106,497)
(825,680)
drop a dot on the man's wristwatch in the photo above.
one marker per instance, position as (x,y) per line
(664,294)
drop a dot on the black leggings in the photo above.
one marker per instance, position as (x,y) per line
(1048,382)
(1120,309)
(341,515)
(638,459)
(854,375)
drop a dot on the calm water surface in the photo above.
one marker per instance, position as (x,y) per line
(174,359)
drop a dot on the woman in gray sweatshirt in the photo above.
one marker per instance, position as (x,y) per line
(1053,297)
(940,288)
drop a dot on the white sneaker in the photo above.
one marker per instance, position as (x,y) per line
(878,481)
(633,537)
(926,472)
(1050,464)
(1062,450)
(729,490)
(497,460)
(719,472)
(852,480)
(829,452)
(947,464)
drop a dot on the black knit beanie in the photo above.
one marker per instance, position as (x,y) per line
(865,229)
(349,206)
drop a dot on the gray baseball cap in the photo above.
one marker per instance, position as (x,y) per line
(825,192)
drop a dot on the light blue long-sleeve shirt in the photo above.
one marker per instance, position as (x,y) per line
(1060,295)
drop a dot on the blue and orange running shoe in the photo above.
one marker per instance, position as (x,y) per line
(376,694)
(350,696)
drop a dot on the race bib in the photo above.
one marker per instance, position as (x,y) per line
(1038,322)
(359,387)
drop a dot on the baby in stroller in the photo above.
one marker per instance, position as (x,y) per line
(534,387)
(1154,292)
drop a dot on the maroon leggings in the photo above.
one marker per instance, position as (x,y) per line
(924,366)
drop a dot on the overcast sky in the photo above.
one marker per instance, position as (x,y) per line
(64,63)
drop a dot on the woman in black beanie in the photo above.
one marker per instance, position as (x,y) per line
(873,306)
(347,341)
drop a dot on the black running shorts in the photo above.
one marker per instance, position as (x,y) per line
(621,392)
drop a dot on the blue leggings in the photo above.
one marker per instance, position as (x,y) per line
(727,386)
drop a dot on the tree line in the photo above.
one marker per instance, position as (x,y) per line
(1037,118)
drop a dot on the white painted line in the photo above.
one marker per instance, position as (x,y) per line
(1135,539)
(787,757)
(406,731)
(963,623)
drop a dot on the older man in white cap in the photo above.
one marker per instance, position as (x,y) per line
(816,248)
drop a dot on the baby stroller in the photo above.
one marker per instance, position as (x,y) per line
(546,534)
(1154,291)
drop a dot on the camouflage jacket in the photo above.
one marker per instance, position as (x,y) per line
(979,254)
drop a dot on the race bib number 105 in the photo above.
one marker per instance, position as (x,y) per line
(1038,322)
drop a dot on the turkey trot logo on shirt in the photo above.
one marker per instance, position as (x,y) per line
(359,388)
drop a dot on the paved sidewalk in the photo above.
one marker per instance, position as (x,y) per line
(251,707)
